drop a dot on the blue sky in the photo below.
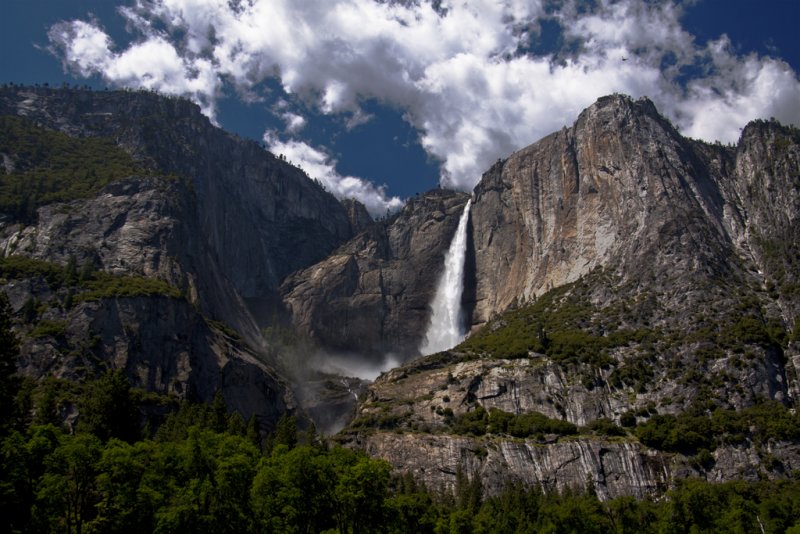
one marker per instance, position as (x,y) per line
(383,100)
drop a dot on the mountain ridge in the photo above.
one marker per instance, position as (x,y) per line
(628,290)
(201,209)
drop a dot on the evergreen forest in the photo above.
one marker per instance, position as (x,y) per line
(135,461)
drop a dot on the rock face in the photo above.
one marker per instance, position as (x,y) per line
(622,189)
(763,203)
(216,217)
(619,270)
(407,418)
(616,469)
(371,295)
(357,214)
(163,344)
(609,468)
(261,217)
(621,179)
(140,225)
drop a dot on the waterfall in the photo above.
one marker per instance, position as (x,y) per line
(446,329)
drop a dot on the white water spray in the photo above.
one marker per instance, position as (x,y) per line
(446,329)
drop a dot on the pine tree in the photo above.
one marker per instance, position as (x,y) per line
(286,431)
(219,413)
(254,432)
(108,410)
(9,381)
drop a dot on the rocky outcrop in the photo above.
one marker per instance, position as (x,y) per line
(140,226)
(408,415)
(330,400)
(613,469)
(610,469)
(620,188)
(162,343)
(762,210)
(371,295)
(143,226)
(417,393)
(357,214)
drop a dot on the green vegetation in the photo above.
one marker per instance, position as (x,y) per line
(474,422)
(563,325)
(49,329)
(781,259)
(108,408)
(688,433)
(18,267)
(87,283)
(695,430)
(693,506)
(604,427)
(51,166)
(9,382)
(221,482)
(560,324)
(635,337)
(478,422)
(382,421)
(204,471)
(104,285)
(224,328)
(635,373)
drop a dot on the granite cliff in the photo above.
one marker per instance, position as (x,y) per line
(623,189)
(217,220)
(261,217)
(628,282)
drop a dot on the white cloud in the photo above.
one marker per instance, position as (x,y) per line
(85,48)
(153,63)
(320,166)
(458,73)
(718,107)
(294,122)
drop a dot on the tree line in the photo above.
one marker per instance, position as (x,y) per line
(203,469)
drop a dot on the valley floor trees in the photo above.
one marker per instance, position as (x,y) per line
(206,471)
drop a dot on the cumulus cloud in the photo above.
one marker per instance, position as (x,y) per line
(153,63)
(320,166)
(294,122)
(467,75)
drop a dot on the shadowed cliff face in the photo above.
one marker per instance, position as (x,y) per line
(163,344)
(218,218)
(138,226)
(763,203)
(261,217)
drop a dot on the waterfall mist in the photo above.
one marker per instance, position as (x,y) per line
(446,328)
